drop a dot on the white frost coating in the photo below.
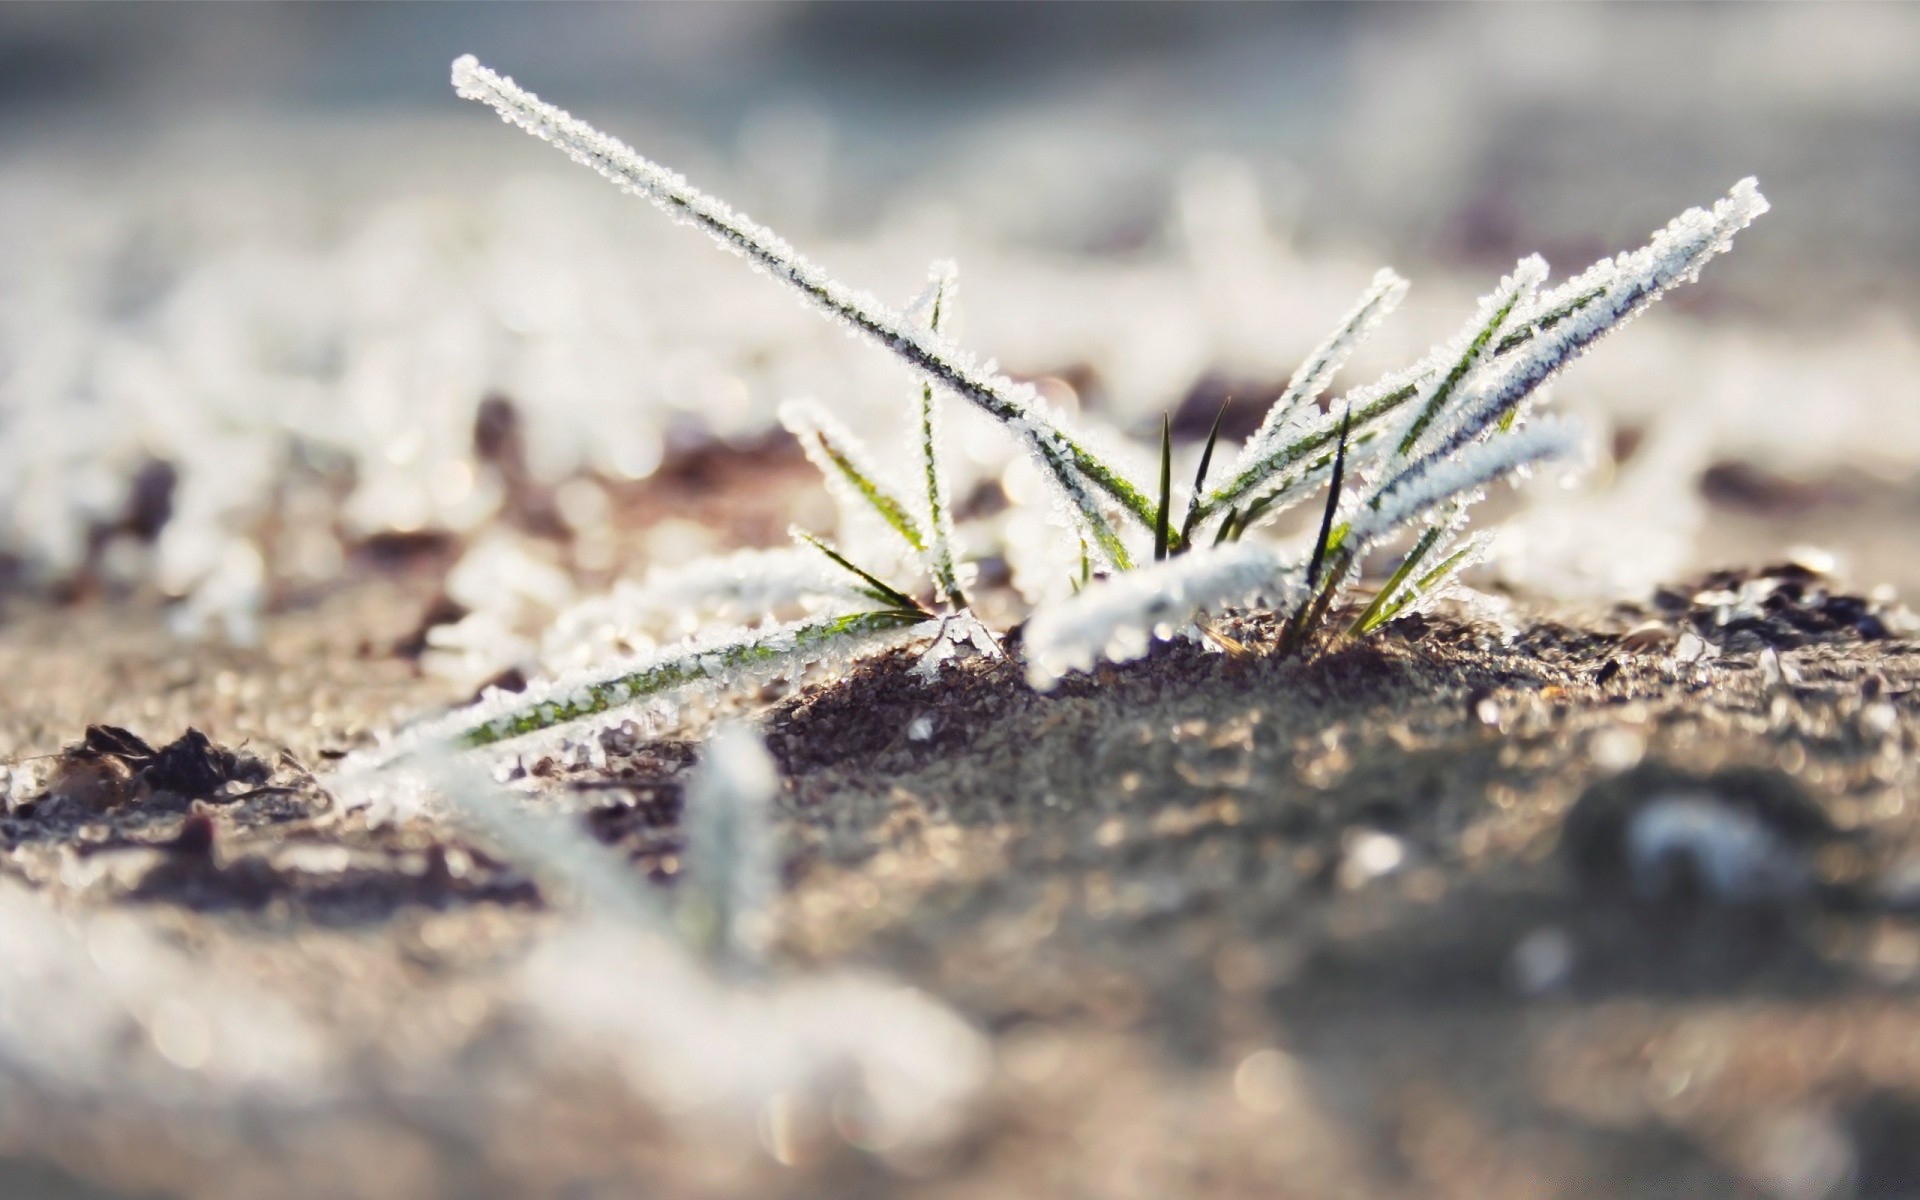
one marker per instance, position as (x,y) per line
(710,666)
(821,437)
(1453,363)
(1627,285)
(934,309)
(1382,296)
(1016,405)
(731,874)
(1116,619)
(1433,481)
(960,634)
(614,981)
(1730,852)
(672,602)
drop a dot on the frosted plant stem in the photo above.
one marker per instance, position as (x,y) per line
(850,473)
(1382,296)
(1019,407)
(939,516)
(710,662)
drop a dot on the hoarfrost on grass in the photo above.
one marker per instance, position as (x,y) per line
(1118,619)
(1018,406)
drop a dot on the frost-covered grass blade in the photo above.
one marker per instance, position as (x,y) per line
(940,535)
(849,471)
(716,663)
(1081,476)
(1425,442)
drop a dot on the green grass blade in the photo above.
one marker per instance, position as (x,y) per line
(1333,504)
(1320,591)
(1163,514)
(1314,448)
(1449,567)
(1372,618)
(1547,320)
(1108,479)
(845,463)
(1200,474)
(1315,444)
(1525,278)
(874,586)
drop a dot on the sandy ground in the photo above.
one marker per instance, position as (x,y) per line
(1369,923)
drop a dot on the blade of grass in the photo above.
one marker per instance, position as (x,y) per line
(1371,618)
(835,451)
(1200,475)
(1321,595)
(876,587)
(1450,566)
(1495,312)
(939,519)
(1333,504)
(1229,528)
(1071,465)
(1164,513)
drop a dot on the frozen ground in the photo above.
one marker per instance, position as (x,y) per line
(292,385)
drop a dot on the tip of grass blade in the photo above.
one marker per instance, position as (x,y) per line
(1200,475)
(876,587)
(1333,501)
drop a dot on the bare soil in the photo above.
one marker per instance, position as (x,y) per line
(1360,923)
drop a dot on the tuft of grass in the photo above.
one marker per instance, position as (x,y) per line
(1406,456)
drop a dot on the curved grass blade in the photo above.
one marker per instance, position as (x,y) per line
(849,471)
(1374,615)
(1515,292)
(1449,568)
(873,585)
(1320,597)
(1333,505)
